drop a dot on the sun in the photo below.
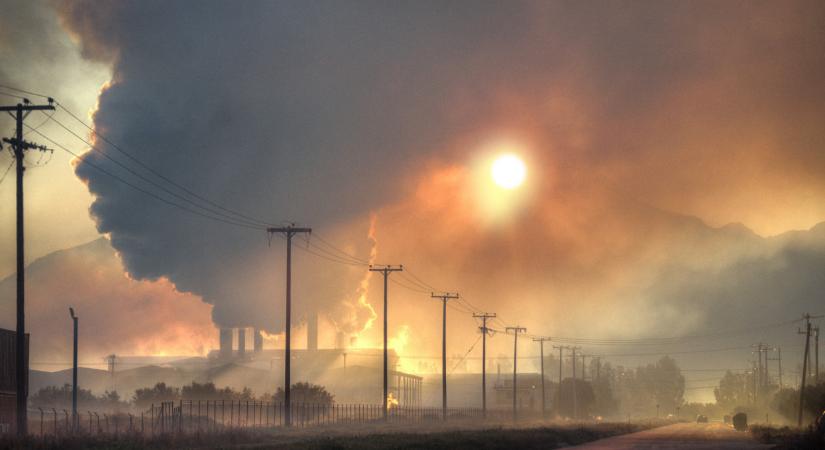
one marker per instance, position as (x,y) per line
(508,171)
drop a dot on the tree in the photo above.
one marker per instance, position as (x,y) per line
(306,393)
(665,382)
(61,398)
(144,397)
(786,403)
(585,399)
(606,403)
(732,391)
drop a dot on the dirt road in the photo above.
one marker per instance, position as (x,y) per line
(681,436)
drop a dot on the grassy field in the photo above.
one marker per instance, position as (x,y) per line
(442,437)
(788,438)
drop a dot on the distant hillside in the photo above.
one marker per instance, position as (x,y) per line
(117,314)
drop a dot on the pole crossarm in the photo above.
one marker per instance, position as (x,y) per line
(288,231)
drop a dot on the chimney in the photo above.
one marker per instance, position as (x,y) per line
(312,332)
(258,340)
(340,340)
(225,340)
(241,341)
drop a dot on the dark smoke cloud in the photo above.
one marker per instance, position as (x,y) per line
(321,112)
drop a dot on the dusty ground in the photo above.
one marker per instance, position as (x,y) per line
(680,436)
(525,436)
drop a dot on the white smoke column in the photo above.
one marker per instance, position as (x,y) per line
(356,308)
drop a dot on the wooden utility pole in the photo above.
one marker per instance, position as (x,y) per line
(444,297)
(561,358)
(779,357)
(74,371)
(816,354)
(541,342)
(19,146)
(484,332)
(385,270)
(516,330)
(807,317)
(288,232)
(575,400)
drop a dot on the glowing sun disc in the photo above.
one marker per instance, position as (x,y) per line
(508,171)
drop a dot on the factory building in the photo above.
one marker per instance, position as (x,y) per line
(351,374)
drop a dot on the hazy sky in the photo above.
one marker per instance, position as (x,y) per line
(646,128)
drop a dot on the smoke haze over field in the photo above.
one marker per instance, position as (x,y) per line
(647,128)
(323,113)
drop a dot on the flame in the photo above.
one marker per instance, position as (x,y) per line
(364,285)
(398,343)
(392,402)
(400,340)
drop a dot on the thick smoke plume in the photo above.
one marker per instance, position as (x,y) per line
(634,118)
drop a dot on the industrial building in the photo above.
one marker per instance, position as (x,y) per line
(8,379)
(352,375)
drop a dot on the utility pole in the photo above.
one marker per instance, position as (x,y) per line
(289,232)
(484,331)
(598,367)
(385,270)
(779,350)
(516,330)
(584,366)
(444,297)
(541,342)
(111,360)
(561,358)
(74,372)
(575,401)
(779,365)
(816,354)
(807,317)
(19,112)
(759,382)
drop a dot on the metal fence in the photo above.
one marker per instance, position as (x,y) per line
(213,416)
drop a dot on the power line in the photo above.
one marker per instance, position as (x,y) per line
(155,172)
(463,358)
(7,171)
(139,189)
(240,218)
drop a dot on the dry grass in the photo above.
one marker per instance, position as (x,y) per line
(364,437)
(788,438)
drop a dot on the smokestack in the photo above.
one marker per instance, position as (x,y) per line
(340,340)
(312,332)
(257,340)
(225,340)
(241,341)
